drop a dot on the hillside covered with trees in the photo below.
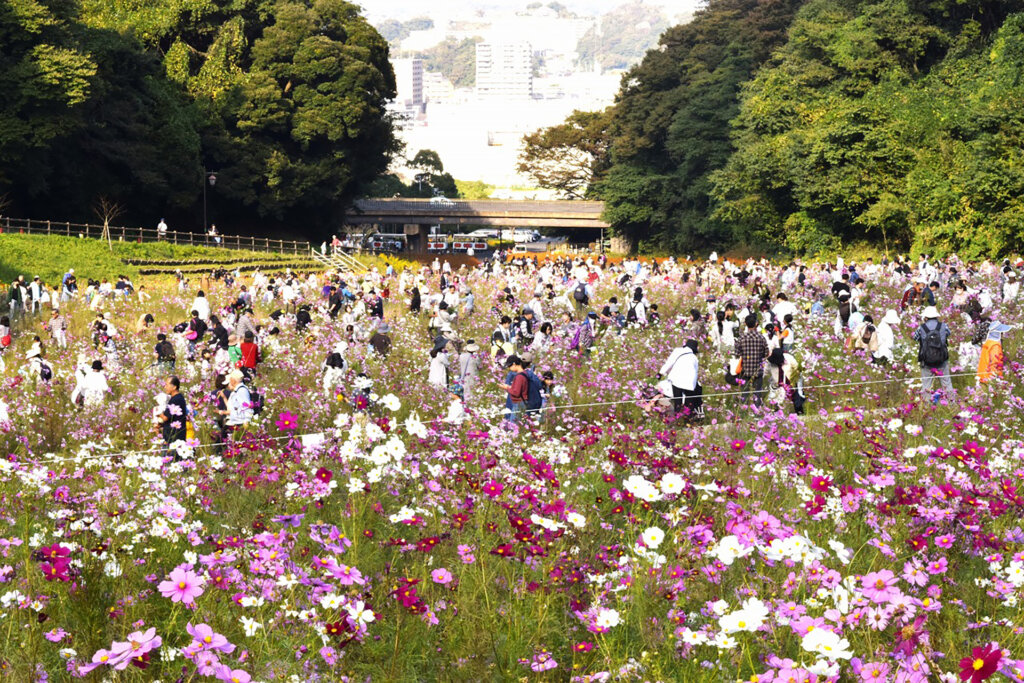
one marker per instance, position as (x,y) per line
(802,126)
(284,100)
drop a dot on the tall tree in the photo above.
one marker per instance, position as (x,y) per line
(880,121)
(570,157)
(670,124)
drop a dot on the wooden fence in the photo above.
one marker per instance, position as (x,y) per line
(122,234)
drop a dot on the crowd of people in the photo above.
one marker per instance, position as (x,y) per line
(751,317)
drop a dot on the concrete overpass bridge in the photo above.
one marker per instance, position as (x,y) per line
(476,212)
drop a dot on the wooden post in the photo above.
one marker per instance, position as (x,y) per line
(47,227)
(69,228)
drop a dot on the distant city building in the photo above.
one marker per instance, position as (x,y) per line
(409,82)
(504,70)
(437,88)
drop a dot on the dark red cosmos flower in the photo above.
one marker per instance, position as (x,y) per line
(324,475)
(54,552)
(583,646)
(918,543)
(427,544)
(908,637)
(982,663)
(142,661)
(337,628)
(503,550)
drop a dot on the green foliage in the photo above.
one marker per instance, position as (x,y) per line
(285,99)
(473,189)
(455,59)
(395,31)
(626,33)
(569,157)
(887,121)
(670,126)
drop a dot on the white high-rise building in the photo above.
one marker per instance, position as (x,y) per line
(504,70)
(409,82)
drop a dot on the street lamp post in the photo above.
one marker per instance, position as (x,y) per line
(208,177)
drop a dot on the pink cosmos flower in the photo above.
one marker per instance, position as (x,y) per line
(204,638)
(182,585)
(226,673)
(441,576)
(874,672)
(879,586)
(137,644)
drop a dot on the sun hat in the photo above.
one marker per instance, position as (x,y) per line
(472,347)
(930,312)
(891,318)
(383,328)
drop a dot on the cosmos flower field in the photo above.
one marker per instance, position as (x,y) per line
(876,538)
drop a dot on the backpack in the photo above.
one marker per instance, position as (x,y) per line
(257,400)
(45,372)
(631,313)
(580,293)
(933,352)
(869,330)
(533,397)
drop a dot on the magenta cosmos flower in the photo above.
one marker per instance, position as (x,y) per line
(880,586)
(182,585)
(287,421)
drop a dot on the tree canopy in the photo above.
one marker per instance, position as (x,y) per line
(285,99)
(805,126)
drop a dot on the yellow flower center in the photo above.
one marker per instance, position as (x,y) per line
(978,663)
(181,585)
(208,640)
(743,624)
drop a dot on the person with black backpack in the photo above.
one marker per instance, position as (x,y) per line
(534,386)
(933,354)
(580,296)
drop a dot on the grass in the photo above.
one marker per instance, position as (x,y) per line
(49,256)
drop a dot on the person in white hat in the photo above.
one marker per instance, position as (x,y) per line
(932,337)
(886,335)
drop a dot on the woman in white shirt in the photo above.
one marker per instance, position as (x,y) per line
(681,370)
(438,375)
(92,386)
(886,338)
(202,306)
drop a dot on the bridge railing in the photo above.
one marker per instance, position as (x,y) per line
(480,206)
(30,226)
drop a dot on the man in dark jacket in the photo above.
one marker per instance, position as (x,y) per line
(381,340)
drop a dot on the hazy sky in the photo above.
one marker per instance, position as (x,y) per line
(405,9)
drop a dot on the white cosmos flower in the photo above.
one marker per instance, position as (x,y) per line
(671,483)
(607,618)
(653,536)
(250,625)
(357,610)
(728,549)
(576,519)
(827,644)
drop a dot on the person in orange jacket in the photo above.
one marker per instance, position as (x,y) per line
(990,363)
